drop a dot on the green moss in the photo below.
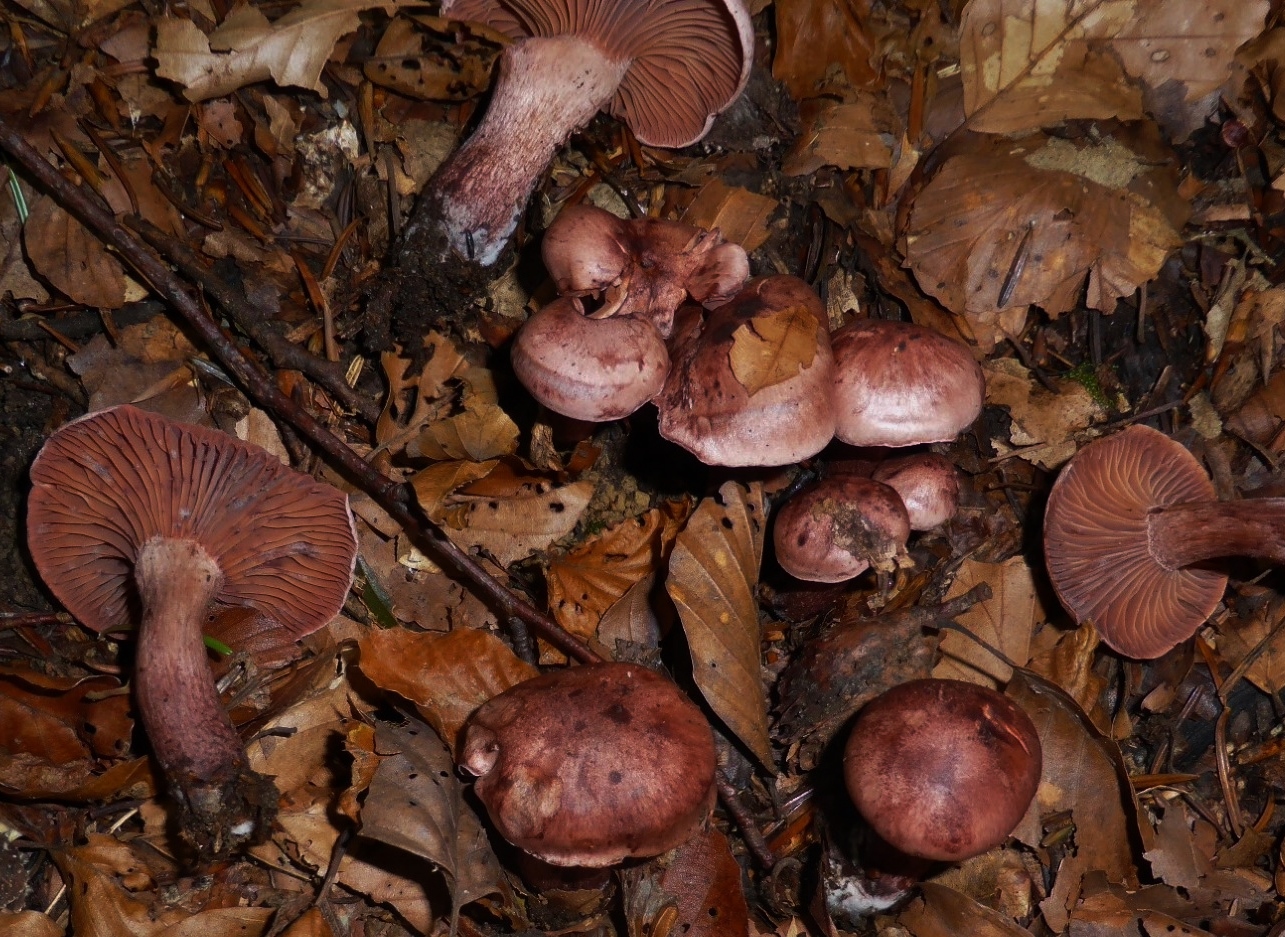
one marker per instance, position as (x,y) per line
(1086,376)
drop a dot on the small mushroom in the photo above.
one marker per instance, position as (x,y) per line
(1131,525)
(592,765)
(928,485)
(898,384)
(135,521)
(665,68)
(750,383)
(585,368)
(839,527)
(645,267)
(942,769)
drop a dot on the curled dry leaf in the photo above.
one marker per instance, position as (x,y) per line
(71,258)
(857,134)
(446,676)
(512,521)
(430,58)
(246,48)
(772,348)
(1045,426)
(738,214)
(1013,223)
(713,572)
(1028,64)
(694,890)
(1005,621)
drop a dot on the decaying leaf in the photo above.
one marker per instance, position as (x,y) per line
(446,676)
(943,912)
(1029,64)
(857,134)
(712,574)
(1045,426)
(815,37)
(1014,223)
(1005,621)
(71,258)
(695,891)
(773,348)
(246,48)
(737,213)
(430,58)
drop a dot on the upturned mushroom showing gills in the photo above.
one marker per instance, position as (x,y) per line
(137,522)
(898,384)
(586,368)
(839,527)
(750,383)
(1131,526)
(664,67)
(592,765)
(643,266)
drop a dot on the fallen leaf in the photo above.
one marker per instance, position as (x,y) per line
(1005,621)
(814,37)
(431,58)
(71,258)
(631,623)
(737,213)
(860,134)
(72,15)
(770,349)
(291,51)
(943,912)
(696,890)
(28,924)
(713,571)
(1045,426)
(521,521)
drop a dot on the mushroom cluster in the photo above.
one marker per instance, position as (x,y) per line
(136,522)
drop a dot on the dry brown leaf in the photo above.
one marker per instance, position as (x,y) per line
(1005,621)
(100,907)
(62,719)
(1085,775)
(71,258)
(772,348)
(446,676)
(1045,426)
(738,214)
(246,48)
(815,39)
(309,924)
(517,522)
(632,621)
(435,484)
(943,912)
(15,275)
(432,59)
(416,803)
(28,924)
(1013,223)
(713,573)
(72,15)
(1070,665)
(1029,64)
(857,134)
(694,891)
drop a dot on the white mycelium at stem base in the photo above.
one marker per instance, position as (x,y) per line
(548,88)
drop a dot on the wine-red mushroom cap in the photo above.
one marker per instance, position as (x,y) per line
(928,485)
(1098,542)
(750,384)
(104,485)
(592,765)
(840,527)
(898,384)
(589,369)
(942,769)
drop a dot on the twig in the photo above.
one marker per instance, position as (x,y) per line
(396,498)
(754,840)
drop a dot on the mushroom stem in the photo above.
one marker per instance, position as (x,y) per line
(191,734)
(548,88)
(1186,534)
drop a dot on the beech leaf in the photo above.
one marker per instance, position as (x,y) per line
(773,347)
(71,258)
(513,525)
(713,572)
(1005,621)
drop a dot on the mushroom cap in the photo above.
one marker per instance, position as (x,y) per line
(836,528)
(106,484)
(772,334)
(592,765)
(928,485)
(942,769)
(642,266)
(585,368)
(690,58)
(1096,542)
(898,384)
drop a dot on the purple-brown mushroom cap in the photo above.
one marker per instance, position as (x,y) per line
(839,527)
(928,484)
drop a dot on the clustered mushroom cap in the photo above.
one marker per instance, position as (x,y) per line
(928,485)
(1097,542)
(644,266)
(585,368)
(898,384)
(106,484)
(706,409)
(942,769)
(839,527)
(689,59)
(591,765)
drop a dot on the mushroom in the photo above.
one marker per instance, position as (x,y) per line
(928,485)
(750,385)
(898,384)
(839,527)
(644,266)
(940,770)
(1131,524)
(138,521)
(586,368)
(664,67)
(592,765)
